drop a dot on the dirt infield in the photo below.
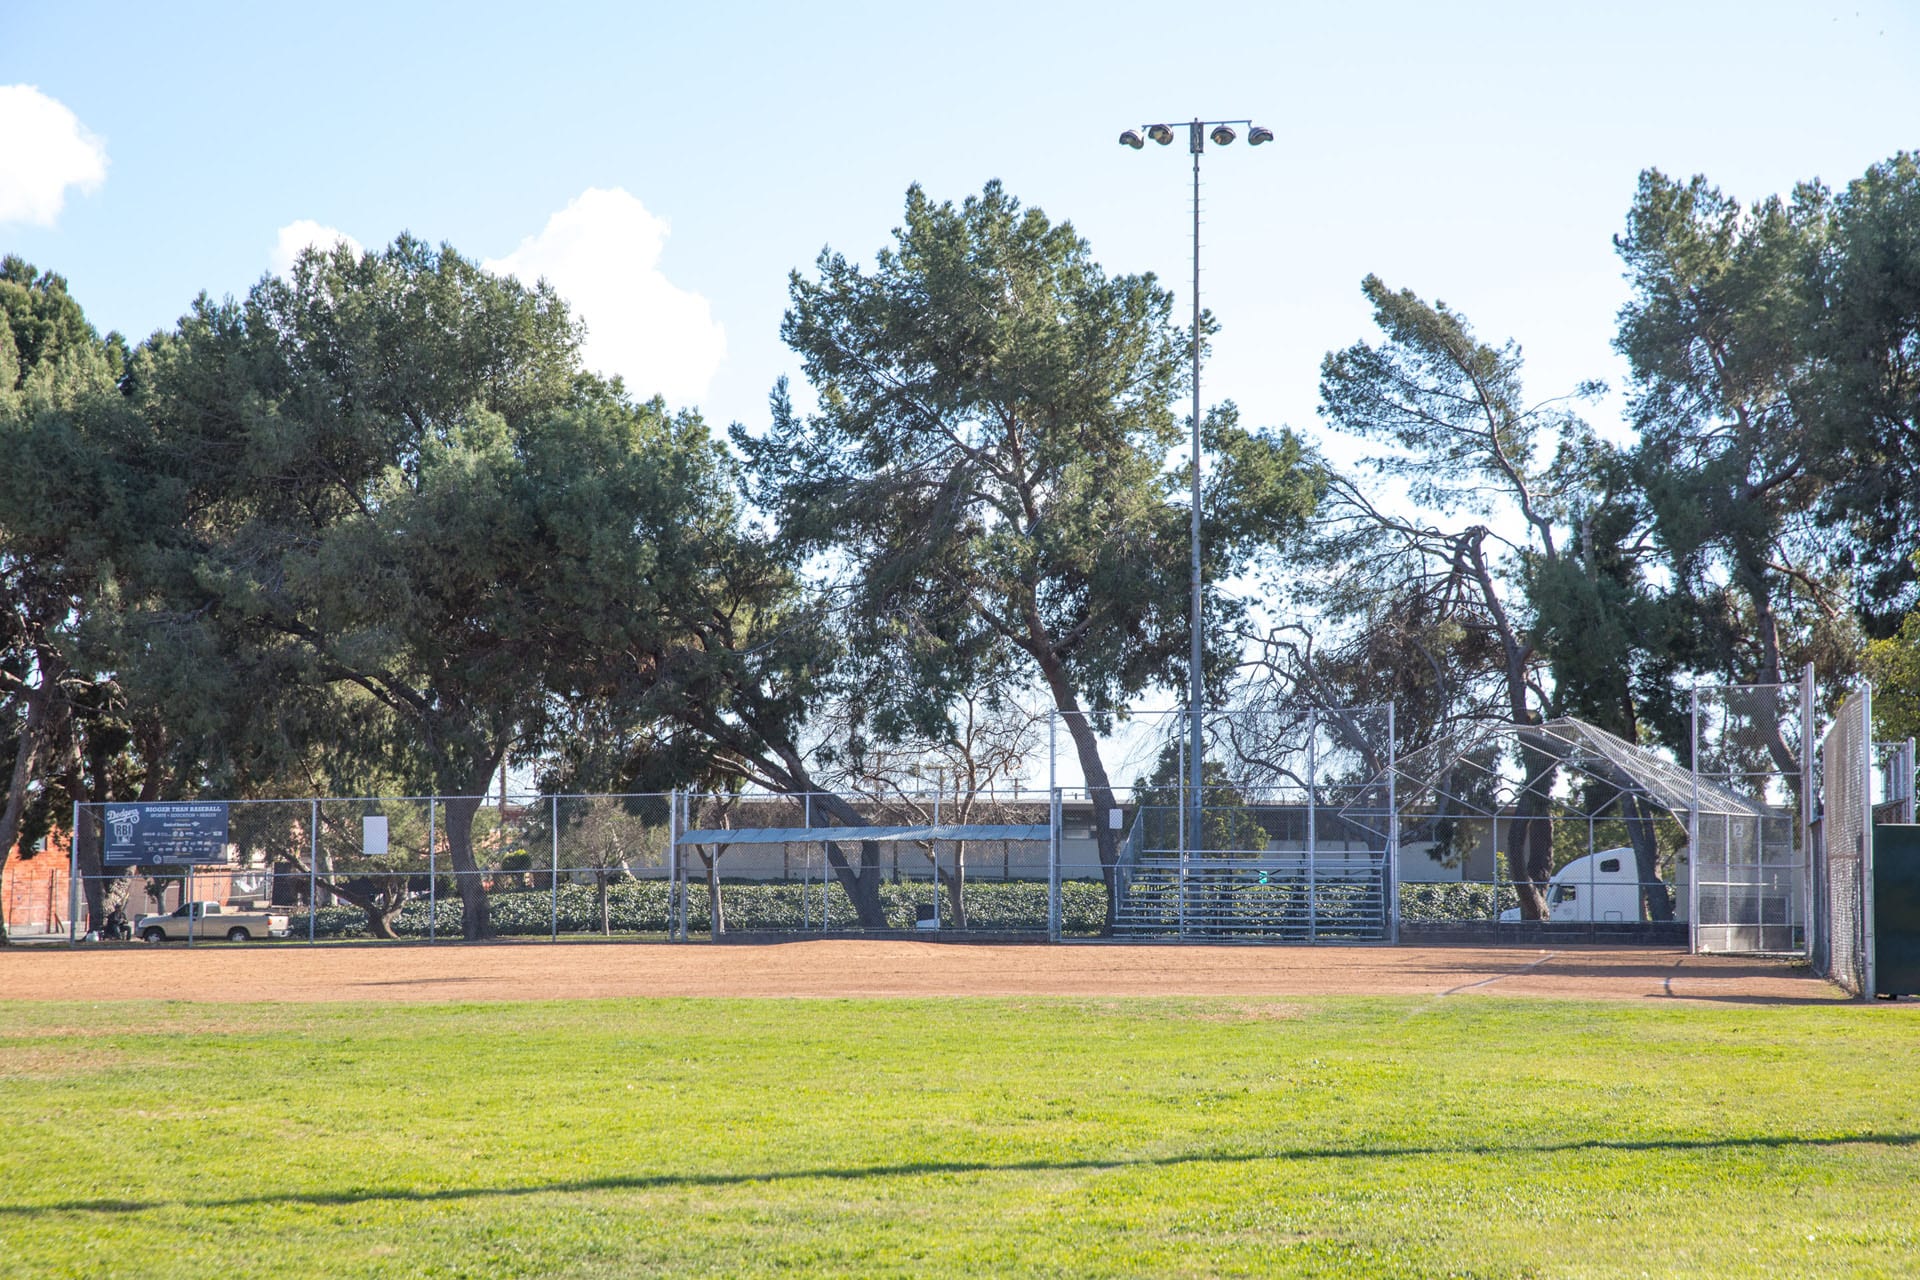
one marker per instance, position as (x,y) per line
(399,973)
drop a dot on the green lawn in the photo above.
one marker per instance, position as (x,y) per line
(1472,1136)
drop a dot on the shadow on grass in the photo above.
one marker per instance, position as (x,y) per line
(645,1182)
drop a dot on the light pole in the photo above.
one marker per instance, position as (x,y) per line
(1198,132)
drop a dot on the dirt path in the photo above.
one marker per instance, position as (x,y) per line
(398,973)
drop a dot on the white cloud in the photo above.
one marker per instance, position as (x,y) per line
(297,237)
(602,254)
(44,149)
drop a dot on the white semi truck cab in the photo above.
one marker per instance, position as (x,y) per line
(1601,887)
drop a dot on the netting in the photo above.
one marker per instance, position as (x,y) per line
(1839,949)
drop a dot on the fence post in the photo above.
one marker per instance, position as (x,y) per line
(1313,832)
(1806,809)
(1393,836)
(806,868)
(1868,978)
(1693,825)
(313,865)
(73,880)
(1180,821)
(433,873)
(554,882)
(673,866)
(1053,865)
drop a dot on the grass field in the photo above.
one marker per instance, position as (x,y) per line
(1467,1136)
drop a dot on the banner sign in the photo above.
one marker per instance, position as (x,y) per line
(165,835)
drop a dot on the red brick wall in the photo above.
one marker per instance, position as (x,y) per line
(33,897)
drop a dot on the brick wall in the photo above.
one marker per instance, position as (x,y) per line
(33,897)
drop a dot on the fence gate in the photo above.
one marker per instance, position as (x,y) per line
(1842,916)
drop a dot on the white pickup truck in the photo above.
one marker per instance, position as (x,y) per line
(210,920)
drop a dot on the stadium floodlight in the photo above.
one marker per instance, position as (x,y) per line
(1196,143)
(1132,139)
(1259,134)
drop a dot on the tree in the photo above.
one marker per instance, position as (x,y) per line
(609,836)
(421,499)
(1465,441)
(989,469)
(1719,336)
(1865,407)
(64,424)
(952,773)
(1893,664)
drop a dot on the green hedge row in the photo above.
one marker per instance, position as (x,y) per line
(641,907)
(992,906)
(1426,903)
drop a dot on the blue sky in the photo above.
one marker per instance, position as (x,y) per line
(1480,153)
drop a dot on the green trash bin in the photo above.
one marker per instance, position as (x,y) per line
(1896,909)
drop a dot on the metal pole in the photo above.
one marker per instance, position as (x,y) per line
(1313,833)
(313,865)
(554,883)
(1868,976)
(193,914)
(1053,866)
(673,863)
(1806,809)
(1180,838)
(433,874)
(1195,692)
(1393,837)
(1907,778)
(1053,834)
(73,879)
(933,847)
(806,868)
(1693,827)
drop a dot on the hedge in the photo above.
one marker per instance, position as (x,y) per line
(1016,906)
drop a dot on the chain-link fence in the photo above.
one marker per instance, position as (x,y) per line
(1751,872)
(1841,948)
(928,863)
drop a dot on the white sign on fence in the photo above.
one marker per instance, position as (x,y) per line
(373,837)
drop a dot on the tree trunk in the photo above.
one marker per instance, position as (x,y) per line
(861,881)
(475,923)
(956,882)
(1656,899)
(1766,709)
(1530,834)
(1099,790)
(716,909)
(606,914)
(380,914)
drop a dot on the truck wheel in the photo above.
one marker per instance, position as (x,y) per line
(153,935)
(238,935)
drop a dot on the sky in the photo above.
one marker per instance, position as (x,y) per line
(667,166)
